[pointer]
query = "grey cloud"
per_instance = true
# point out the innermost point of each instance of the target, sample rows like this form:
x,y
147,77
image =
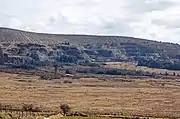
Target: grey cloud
x,y
116,26
143,6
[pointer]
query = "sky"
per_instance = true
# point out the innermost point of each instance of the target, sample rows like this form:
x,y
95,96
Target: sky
x,y
151,19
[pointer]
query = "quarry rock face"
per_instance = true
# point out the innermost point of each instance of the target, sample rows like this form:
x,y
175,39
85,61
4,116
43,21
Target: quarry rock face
x,y
36,49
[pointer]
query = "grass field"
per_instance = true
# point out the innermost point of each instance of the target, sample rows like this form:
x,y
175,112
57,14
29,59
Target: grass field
x,y
113,96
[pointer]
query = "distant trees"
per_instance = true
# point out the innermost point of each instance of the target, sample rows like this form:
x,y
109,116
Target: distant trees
x,y
29,108
117,72
171,65
24,111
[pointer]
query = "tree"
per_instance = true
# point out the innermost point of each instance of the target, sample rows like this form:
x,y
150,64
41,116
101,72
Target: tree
x,y
174,73
166,73
55,70
65,108
1,56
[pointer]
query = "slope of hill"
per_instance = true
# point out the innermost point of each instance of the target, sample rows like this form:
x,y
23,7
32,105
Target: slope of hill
x,y
80,49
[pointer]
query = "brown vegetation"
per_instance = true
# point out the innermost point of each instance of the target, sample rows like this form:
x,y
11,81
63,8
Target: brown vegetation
x,y
120,96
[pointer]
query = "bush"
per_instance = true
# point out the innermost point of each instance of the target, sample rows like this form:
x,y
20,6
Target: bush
x,y
44,77
174,73
27,107
70,71
67,81
65,108
88,63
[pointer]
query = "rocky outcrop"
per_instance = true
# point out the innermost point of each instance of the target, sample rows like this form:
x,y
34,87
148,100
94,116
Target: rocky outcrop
x,y
39,49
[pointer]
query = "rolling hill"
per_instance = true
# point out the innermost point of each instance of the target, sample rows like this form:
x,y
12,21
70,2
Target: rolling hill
x,y
25,47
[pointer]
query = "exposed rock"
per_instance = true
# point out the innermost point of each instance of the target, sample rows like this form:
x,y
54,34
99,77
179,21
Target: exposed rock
x,y
43,49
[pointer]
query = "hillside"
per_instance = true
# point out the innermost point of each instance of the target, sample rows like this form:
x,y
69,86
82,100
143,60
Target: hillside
x,y
20,47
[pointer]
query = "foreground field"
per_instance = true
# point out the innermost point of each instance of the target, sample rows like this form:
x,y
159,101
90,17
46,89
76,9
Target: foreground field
x,y
113,96
5,116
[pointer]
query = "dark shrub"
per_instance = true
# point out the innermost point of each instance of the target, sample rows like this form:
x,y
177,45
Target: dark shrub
x,y
65,108
27,107
70,71
67,81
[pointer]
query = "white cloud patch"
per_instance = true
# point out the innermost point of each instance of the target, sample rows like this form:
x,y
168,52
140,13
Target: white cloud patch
x,y
152,19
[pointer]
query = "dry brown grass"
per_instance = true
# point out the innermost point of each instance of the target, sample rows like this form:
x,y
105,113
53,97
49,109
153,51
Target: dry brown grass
x,y
150,97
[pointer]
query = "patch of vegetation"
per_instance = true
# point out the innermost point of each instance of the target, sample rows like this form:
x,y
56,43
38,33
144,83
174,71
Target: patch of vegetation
x,y
65,108
68,71
117,72
89,63
171,65
67,81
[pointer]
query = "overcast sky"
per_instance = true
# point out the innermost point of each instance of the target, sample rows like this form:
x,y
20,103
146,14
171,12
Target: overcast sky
x,y
152,19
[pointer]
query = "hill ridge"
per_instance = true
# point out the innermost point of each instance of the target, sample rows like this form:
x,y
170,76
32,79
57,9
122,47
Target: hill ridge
x,y
80,35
